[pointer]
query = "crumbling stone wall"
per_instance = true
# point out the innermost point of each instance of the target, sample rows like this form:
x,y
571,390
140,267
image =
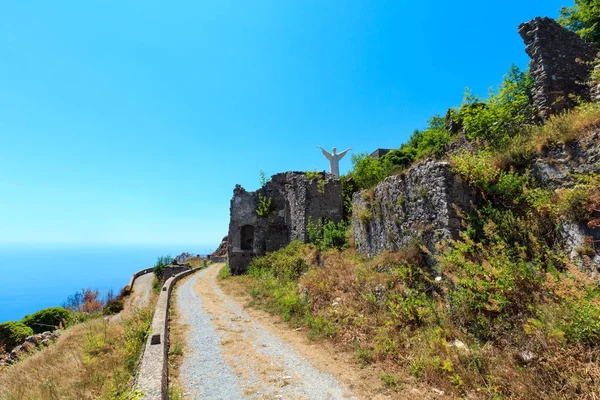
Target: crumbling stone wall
x,y
560,166
295,199
416,204
559,64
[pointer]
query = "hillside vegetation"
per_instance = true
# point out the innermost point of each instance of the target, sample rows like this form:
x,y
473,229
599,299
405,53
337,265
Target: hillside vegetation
x,y
502,312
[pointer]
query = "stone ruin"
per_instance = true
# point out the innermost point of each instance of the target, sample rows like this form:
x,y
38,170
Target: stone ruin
x,y
560,65
422,202
295,199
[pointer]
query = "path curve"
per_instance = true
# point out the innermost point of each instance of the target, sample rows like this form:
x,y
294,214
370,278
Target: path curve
x,y
141,291
230,356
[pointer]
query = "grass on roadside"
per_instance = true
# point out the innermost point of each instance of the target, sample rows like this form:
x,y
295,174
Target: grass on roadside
x,y
176,349
224,272
92,360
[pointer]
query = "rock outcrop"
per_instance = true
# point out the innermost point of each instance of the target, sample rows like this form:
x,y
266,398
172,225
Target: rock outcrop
x,y
221,251
560,64
278,213
558,164
31,344
420,203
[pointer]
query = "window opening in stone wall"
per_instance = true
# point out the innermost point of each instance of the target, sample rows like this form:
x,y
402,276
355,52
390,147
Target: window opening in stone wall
x,y
247,237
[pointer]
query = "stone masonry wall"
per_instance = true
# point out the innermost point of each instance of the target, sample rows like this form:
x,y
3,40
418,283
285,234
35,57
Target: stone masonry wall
x,y
296,199
555,53
417,203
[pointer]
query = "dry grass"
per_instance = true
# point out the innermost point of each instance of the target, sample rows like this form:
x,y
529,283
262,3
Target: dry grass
x,y
92,360
196,262
559,129
177,333
373,308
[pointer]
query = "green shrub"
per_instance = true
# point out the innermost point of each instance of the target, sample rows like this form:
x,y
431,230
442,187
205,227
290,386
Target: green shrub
x,y
161,263
47,319
497,119
349,187
328,235
265,206
285,265
13,333
368,172
224,272
318,176
476,169
113,307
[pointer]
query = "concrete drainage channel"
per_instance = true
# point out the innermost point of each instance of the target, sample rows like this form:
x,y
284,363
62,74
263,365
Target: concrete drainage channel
x,y
153,378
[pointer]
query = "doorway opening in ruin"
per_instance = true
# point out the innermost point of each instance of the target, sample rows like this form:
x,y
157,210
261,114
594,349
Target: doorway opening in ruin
x,y
247,237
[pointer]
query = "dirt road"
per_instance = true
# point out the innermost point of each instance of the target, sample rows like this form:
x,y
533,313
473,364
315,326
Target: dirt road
x,y
229,355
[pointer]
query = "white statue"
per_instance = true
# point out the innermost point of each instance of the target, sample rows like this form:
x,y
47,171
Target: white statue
x,y
334,160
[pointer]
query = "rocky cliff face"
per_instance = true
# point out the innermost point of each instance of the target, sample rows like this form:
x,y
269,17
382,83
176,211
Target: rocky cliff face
x,y
420,203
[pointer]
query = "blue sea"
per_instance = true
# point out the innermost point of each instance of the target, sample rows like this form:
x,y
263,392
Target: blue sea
x,y
32,278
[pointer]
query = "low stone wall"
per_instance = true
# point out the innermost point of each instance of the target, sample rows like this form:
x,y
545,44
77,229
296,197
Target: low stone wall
x,y
218,259
135,276
153,378
174,270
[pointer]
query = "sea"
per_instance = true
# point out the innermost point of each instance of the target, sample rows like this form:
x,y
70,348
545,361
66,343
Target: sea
x,y
36,277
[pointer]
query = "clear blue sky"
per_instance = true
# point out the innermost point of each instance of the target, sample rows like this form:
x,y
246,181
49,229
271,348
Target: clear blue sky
x,y
130,122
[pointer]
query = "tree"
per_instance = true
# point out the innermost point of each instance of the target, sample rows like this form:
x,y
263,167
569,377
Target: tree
x,y
583,18
368,172
499,117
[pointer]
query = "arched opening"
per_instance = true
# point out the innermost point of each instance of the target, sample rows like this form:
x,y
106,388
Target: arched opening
x,y
247,237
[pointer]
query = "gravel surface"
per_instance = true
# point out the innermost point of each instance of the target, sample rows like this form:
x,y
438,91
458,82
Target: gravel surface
x,y
204,373
140,295
230,356
142,288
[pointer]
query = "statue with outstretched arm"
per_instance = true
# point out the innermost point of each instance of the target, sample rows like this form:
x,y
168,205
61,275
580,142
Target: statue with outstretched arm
x,y
334,159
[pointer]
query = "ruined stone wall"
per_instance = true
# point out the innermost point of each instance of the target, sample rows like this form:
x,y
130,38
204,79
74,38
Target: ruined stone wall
x,y
559,166
295,199
555,53
418,203
312,199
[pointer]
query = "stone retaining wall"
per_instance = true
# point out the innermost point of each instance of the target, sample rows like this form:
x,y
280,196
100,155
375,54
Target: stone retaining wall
x,y
135,276
218,259
153,378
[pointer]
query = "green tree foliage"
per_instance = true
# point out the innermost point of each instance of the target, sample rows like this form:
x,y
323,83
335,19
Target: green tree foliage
x,y
47,319
431,142
498,118
161,263
368,171
13,334
583,18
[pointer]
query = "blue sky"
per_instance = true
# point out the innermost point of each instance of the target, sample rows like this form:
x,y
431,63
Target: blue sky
x,y
130,122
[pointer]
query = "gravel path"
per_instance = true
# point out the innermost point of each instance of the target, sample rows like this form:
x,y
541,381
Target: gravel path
x,y
204,373
230,356
140,295
142,288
